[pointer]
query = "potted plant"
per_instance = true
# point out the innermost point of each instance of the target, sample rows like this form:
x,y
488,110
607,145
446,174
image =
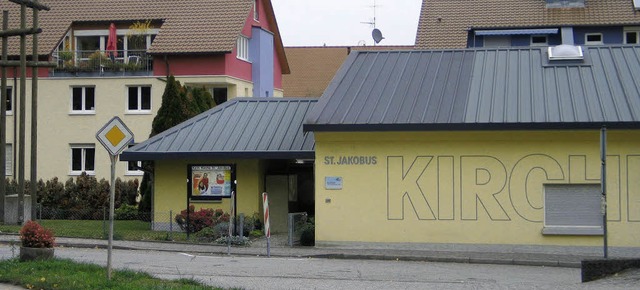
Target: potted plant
x,y
65,55
37,242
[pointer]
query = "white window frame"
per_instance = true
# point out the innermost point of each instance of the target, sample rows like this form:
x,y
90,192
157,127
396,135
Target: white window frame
x,y
8,147
83,111
130,172
545,43
256,10
586,37
139,110
10,96
635,30
242,47
83,157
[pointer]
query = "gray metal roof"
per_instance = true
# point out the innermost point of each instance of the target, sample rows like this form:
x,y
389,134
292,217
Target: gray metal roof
x,y
265,128
474,89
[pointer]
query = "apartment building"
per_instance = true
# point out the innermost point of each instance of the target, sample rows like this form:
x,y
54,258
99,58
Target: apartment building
x,y
113,58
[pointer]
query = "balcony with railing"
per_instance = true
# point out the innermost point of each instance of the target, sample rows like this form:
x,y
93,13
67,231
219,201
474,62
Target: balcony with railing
x,y
102,63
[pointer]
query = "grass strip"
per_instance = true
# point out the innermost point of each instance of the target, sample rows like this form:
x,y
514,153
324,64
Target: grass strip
x,y
70,275
131,230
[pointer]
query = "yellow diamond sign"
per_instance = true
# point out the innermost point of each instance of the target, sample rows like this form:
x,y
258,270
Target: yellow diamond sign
x,y
115,136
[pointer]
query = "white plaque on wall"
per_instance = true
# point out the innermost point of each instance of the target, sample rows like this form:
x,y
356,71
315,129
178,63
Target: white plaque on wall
x,y
333,182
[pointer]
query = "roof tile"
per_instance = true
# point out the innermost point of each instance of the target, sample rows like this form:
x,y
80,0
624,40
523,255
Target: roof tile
x,y
194,26
444,23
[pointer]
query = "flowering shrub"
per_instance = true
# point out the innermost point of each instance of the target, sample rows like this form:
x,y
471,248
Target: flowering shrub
x,y
201,219
33,235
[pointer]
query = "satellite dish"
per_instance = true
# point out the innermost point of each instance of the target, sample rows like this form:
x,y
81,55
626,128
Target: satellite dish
x,y
377,35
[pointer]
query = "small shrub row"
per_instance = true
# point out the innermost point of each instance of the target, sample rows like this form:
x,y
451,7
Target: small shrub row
x,y
83,195
235,240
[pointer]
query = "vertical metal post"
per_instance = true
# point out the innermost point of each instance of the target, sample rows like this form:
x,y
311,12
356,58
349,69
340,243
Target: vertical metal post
x,y
188,213
3,115
104,222
240,225
231,215
603,184
290,229
34,120
171,224
21,103
112,194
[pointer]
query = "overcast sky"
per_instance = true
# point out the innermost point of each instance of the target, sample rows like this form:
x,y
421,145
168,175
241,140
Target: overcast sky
x,y
339,22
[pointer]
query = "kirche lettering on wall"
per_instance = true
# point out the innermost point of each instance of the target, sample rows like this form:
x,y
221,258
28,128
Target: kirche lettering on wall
x,y
478,187
350,160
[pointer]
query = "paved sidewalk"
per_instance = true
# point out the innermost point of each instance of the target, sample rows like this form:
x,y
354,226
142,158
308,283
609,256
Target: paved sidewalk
x,y
280,249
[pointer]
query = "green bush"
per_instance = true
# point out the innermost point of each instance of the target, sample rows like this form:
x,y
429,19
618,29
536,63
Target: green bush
x,y
308,235
127,191
256,234
98,59
251,223
84,197
126,212
211,234
206,235
235,240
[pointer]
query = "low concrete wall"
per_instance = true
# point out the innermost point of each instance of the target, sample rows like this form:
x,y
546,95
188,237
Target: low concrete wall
x,y
596,269
11,209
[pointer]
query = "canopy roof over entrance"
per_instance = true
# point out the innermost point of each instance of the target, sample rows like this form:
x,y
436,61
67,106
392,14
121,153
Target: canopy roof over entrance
x,y
265,128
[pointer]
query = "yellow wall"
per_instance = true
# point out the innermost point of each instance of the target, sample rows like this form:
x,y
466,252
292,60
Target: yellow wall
x,y
171,187
58,127
468,187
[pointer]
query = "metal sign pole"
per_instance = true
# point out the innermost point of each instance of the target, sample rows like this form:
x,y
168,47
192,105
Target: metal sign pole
x,y
231,215
114,136
603,184
112,195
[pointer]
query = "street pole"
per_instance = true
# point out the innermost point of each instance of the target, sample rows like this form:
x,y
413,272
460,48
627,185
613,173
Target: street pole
x,y
21,113
34,119
603,184
112,194
231,215
114,136
3,115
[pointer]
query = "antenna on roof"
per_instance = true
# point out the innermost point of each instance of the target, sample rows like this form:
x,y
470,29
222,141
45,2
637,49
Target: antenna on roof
x,y
376,33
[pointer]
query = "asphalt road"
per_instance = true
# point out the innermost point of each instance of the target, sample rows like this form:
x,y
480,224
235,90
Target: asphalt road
x,y
296,273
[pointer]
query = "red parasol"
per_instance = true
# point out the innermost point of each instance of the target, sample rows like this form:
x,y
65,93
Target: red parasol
x,y
112,41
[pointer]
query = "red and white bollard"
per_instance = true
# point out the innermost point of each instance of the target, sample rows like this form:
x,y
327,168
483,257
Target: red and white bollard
x,y
267,230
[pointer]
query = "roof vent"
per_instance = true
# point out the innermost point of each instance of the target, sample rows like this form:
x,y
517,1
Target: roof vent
x,y
565,52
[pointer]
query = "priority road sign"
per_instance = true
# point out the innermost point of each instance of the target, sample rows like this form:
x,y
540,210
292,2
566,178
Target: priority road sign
x,y
114,136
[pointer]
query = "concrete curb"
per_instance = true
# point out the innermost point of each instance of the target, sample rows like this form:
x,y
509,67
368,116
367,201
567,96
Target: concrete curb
x,y
347,256
519,259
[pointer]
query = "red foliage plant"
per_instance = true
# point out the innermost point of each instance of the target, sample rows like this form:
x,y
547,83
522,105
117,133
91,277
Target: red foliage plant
x,y
201,219
33,235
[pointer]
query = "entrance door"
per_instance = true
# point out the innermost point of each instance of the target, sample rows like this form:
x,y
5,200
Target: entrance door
x,y
279,187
